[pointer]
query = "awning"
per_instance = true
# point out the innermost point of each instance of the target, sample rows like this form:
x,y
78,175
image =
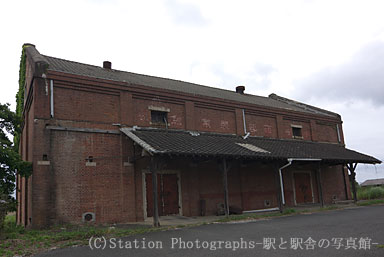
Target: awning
x,y
204,144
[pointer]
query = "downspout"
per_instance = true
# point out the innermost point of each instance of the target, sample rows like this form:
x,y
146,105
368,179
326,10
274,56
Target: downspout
x,y
51,96
281,180
338,133
244,123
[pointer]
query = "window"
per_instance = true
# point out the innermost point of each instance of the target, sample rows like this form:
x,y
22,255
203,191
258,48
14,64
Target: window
x,y
158,117
296,132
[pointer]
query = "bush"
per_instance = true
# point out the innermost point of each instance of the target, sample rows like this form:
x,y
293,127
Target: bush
x,y
368,193
376,192
6,204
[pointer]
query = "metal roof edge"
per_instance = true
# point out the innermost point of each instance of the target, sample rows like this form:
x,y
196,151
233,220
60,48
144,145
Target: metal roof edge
x,y
142,143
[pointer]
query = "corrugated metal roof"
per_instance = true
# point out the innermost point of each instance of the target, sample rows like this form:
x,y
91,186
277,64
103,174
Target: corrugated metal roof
x,y
56,64
373,182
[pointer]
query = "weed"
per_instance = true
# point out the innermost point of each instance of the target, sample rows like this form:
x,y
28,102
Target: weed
x,y
372,192
16,240
371,202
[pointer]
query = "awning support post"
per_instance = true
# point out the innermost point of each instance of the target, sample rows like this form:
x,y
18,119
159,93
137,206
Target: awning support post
x,y
225,185
351,167
319,186
345,182
153,169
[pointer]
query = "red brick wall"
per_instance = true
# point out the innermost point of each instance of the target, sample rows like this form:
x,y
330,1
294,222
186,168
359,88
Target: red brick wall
x,y
211,187
214,120
111,107
81,105
190,191
261,126
333,183
105,189
258,185
41,195
287,128
142,112
327,132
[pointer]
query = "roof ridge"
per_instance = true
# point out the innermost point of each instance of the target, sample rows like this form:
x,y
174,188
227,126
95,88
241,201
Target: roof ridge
x,y
374,179
93,71
81,63
157,77
300,104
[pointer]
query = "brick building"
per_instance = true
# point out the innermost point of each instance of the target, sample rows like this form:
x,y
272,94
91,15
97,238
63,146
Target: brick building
x,y
101,140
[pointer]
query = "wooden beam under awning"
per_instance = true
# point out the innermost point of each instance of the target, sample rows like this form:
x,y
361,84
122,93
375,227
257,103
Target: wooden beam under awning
x,y
319,185
153,168
352,167
224,168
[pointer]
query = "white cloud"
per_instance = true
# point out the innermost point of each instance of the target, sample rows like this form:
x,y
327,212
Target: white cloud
x,y
184,13
360,77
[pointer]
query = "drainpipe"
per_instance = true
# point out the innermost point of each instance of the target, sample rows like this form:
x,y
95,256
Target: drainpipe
x,y
338,133
51,100
281,180
245,125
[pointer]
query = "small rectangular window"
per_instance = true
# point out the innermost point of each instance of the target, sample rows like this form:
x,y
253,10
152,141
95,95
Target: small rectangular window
x,y
158,117
296,132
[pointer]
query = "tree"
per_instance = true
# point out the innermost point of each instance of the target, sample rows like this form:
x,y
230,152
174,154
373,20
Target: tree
x,y
10,161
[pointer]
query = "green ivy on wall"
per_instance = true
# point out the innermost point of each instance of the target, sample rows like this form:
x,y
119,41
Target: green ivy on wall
x,y
20,99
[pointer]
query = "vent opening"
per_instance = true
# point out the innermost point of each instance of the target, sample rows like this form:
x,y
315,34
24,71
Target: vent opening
x,y
89,217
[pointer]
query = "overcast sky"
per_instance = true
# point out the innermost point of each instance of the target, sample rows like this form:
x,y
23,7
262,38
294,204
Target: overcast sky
x,y
326,53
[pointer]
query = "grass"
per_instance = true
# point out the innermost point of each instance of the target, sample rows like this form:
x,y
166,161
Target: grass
x,y
252,216
15,240
371,192
291,211
371,202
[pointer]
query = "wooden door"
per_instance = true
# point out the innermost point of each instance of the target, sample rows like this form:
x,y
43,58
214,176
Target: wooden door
x,y
167,193
170,194
303,188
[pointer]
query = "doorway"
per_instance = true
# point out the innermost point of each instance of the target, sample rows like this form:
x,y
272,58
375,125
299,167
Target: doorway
x,y
167,193
303,187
